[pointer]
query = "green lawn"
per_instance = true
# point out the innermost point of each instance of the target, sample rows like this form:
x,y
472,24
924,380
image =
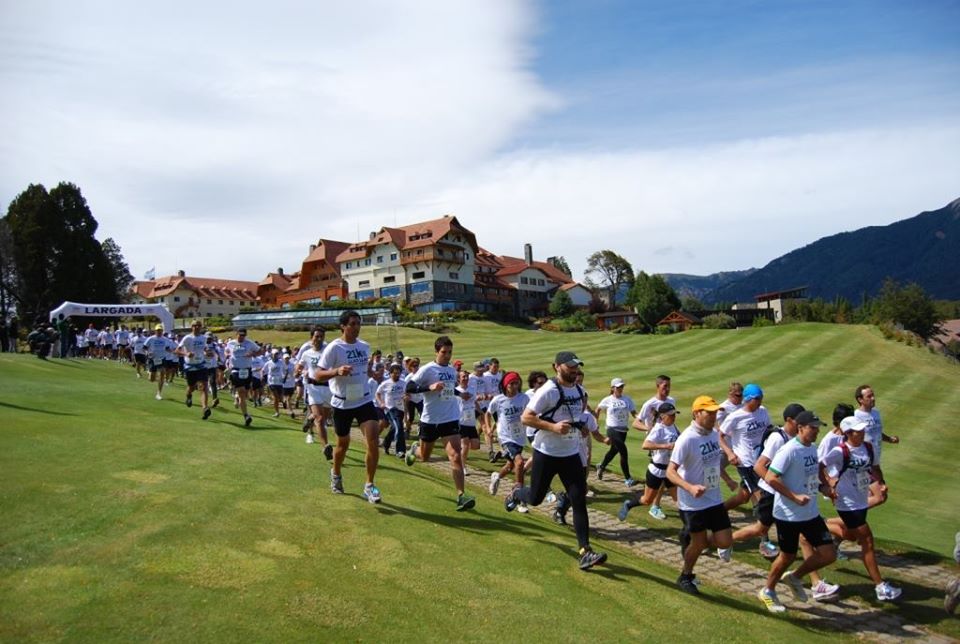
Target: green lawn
x,y
127,518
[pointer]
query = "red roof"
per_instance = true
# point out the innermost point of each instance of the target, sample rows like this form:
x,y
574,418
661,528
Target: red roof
x,y
515,265
425,233
202,286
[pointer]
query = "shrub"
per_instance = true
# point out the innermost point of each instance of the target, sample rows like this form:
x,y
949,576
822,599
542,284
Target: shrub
x,y
761,322
719,321
663,329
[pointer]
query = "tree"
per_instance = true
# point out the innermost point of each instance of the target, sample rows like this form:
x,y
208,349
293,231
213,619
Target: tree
x,y
122,278
689,303
909,306
561,305
652,299
561,264
612,272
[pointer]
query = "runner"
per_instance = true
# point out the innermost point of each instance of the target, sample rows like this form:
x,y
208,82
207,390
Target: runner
x,y
171,361
318,393
733,402
276,373
256,379
241,352
139,353
617,408
390,396
491,388
796,476
867,410
122,338
742,431
504,411
414,402
695,469
214,360
555,413
659,442
346,366
850,470
647,417
469,410
156,348
193,348
441,414
289,384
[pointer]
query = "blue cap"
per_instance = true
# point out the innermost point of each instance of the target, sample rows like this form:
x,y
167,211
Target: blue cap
x,y
752,391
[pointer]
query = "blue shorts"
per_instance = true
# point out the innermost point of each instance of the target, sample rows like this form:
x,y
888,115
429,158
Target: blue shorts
x,y
512,450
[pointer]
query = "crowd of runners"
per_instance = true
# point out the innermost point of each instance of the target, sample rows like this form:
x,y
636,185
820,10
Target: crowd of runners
x,y
542,427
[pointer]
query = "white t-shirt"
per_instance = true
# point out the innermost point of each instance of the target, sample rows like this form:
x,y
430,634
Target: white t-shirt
x,y
438,406
123,337
241,353
827,443
275,372
698,462
373,384
770,448
169,346
349,392
91,335
744,429
212,356
310,359
545,399
661,434
727,407
478,388
138,341
853,488
468,410
289,377
197,345
414,398
648,412
508,411
618,411
873,434
491,383
156,347
799,469
392,393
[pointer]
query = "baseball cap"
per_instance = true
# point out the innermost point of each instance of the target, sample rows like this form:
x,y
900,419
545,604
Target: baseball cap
x,y
478,364
396,366
853,424
458,363
667,408
805,418
568,358
510,377
791,410
752,391
159,327
616,382
705,403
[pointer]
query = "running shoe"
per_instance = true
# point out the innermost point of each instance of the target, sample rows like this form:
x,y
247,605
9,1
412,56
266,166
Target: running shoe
x,y
589,558
371,493
886,592
206,413
560,513
796,586
590,494
523,509
771,601
247,420
307,421
328,452
952,596
769,549
497,456
310,439
657,513
551,497
465,502
725,554
411,456
624,509
293,415
512,501
400,455
494,482
276,414
824,591
599,472
336,483
836,547
158,397
189,400
216,401
688,584
629,482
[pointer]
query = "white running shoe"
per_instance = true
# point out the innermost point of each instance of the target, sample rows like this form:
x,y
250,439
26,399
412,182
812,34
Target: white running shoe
x,y
550,498
886,592
796,586
309,439
657,513
465,471
494,482
771,601
824,591
158,397
523,509
371,493
590,494
725,554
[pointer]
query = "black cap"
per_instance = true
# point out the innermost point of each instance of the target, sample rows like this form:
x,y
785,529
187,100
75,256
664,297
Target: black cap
x,y
667,408
568,358
806,418
791,411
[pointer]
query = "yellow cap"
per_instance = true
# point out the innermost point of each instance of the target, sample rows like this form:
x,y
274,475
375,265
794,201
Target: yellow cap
x,y
705,403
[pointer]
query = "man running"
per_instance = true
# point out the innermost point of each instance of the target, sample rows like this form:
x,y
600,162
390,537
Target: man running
x,y
796,477
390,395
241,352
318,393
137,341
695,469
156,348
193,348
437,381
469,410
647,417
554,412
867,410
346,365
276,373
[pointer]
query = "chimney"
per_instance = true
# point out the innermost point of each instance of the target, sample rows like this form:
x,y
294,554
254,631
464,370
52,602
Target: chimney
x,y
280,271
528,254
373,234
181,274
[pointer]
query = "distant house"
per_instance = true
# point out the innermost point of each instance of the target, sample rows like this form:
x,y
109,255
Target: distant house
x,y
680,321
199,297
273,286
319,278
579,294
606,321
775,301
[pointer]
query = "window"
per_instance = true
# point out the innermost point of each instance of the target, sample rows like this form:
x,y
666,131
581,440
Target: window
x,y
466,255
176,298
422,287
523,280
349,264
393,257
363,295
390,291
419,275
379,259
209,301
454,276
541,283
219,301
230,302
389,279
366,262
364,283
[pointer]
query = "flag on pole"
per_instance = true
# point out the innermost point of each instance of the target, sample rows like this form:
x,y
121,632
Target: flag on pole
x,y
151,274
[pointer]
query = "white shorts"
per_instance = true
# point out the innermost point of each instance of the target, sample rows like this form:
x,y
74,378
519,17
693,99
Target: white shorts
x,y
317,395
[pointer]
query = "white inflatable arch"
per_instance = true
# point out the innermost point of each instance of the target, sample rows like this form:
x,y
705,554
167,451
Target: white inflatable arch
x,y
71,309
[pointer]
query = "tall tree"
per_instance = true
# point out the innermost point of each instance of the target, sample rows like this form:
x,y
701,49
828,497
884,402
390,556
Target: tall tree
x,y
122,278
652,298
561,305
609,271
561,263
909,306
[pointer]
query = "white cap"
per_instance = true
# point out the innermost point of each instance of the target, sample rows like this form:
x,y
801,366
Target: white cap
x,y
853,424
616,382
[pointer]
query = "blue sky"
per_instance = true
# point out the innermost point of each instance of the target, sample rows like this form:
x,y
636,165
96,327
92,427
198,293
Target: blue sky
x,y
665,131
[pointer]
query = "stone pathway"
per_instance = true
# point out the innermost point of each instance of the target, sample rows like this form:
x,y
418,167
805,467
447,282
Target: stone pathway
x,y
850,615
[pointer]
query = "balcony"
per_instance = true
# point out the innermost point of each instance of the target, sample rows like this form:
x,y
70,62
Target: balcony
x,y
436,253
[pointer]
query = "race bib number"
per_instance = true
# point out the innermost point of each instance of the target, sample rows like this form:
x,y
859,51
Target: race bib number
x,y
863,480
243,374
619,416
355,391
813,485
468,416
711,477
447,393
514,427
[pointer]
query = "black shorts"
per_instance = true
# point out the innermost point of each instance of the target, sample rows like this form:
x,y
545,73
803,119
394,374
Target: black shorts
x,y
255,383
654,482
512,450
430,432
195,376
763,510
749,479
171,364
237,381
277,391
815,531
140,358
530,438
714,519
468,431
343,418
289,391
853,519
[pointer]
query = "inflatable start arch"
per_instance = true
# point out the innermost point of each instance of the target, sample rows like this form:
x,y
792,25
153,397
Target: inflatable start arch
x,y
73,309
